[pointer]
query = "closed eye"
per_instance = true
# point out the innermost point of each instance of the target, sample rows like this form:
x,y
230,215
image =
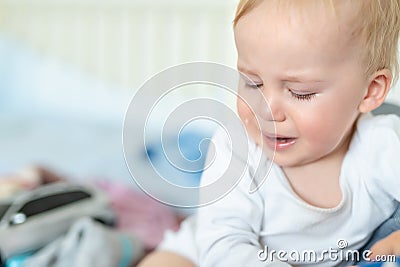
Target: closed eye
x,y
306,96
254,85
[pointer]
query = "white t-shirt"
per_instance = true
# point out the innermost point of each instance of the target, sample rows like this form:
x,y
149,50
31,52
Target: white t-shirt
x,y
231,231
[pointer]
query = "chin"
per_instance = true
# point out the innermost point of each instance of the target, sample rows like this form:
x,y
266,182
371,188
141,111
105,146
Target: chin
x,y
287,161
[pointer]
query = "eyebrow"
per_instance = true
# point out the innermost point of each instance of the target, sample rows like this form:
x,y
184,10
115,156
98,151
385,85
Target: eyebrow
x,y
297,79
287,78
245,71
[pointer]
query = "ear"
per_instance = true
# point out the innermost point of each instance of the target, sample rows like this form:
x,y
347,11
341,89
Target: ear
x,y
377,90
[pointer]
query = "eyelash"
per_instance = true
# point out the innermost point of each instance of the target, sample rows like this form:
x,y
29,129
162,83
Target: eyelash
x,y
254,86
307,97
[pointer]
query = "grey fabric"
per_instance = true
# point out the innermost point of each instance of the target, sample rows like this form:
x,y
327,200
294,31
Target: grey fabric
x,y
387,108
88,243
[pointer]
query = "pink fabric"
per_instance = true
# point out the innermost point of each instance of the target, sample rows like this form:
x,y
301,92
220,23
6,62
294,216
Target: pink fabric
x,y
139,214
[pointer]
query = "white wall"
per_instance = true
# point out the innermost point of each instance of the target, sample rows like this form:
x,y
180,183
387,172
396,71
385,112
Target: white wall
x,y
122,41
126,42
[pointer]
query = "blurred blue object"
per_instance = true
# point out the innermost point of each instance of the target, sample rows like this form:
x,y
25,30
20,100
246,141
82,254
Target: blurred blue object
x,y
18,261
180,159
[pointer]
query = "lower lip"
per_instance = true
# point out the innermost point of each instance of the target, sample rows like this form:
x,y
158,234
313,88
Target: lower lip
x,y
274,144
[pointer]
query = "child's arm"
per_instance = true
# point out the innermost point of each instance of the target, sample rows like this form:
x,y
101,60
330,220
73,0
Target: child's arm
x,y
165,259
390,245
228,229
227,232
387,246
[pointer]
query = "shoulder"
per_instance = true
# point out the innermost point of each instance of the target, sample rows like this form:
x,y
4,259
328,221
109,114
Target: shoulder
x,y
389,122
376,146
378,130
377,138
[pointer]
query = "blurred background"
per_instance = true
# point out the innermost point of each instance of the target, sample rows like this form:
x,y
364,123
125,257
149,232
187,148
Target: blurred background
x,y
69,68
68,71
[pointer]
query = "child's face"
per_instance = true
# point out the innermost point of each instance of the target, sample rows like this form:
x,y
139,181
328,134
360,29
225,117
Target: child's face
x,y
311,74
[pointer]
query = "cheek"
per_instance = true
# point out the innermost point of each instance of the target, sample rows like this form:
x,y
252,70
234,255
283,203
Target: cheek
x,y
249,120
328,125
316,130
243,110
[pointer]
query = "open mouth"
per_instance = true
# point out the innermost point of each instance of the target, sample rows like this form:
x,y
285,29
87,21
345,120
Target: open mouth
x,y
281,139
279,142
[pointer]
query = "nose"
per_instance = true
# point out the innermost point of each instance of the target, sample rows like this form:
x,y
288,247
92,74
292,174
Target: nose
x,y
271,106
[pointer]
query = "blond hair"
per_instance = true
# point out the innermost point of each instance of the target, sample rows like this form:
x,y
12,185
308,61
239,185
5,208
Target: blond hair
x,y
378,26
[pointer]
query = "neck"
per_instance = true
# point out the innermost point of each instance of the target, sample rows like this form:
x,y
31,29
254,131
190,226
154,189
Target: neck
x,y
333,159
317,182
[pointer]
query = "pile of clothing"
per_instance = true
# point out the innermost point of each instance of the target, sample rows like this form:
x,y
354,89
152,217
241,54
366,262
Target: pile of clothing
x,y
140,223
